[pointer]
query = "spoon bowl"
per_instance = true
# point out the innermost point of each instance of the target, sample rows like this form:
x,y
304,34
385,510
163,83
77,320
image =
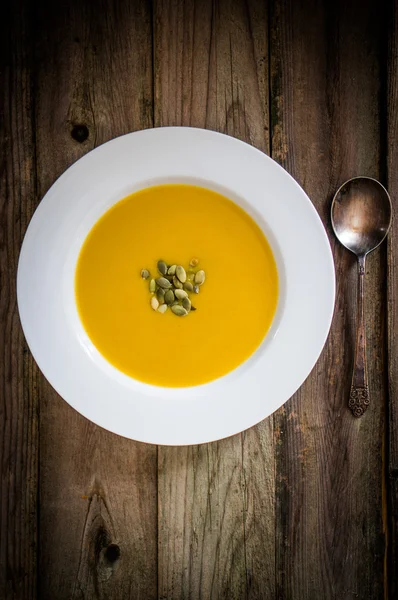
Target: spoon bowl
x,y
361,218
361,214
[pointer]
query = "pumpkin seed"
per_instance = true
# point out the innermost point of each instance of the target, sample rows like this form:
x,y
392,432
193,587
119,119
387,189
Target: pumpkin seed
x,y
200,277
181,274
186,303
180,294
172,289
177,283
179,310
163,283
169,297
145,274
162,267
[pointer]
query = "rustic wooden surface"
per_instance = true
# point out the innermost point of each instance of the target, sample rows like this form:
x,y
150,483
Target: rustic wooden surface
x,y
392,299
302,506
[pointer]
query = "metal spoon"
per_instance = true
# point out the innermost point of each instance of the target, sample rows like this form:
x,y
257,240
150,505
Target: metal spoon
x,y
361,218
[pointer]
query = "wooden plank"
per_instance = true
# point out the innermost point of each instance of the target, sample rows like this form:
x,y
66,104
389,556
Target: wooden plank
x,y
98,504
392,305
211,67
325,86
216,501
18,375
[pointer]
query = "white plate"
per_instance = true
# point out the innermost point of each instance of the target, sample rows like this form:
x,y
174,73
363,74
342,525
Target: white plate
x,y
62,348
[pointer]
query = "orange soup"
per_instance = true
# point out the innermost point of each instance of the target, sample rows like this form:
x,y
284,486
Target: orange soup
x,y
234,307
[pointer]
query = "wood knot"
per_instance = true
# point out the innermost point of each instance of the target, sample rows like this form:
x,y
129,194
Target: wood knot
x,y
80,133
112,553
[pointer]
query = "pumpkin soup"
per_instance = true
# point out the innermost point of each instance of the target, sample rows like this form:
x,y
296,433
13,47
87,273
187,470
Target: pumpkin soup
x,y
232,311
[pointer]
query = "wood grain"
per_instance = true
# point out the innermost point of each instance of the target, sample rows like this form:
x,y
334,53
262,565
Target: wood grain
x,y
211,67
302,506
98,505
392,304
325,74
18,374
216,507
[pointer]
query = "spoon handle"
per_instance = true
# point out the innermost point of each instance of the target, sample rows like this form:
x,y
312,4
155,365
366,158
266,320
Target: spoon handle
x,y
359,394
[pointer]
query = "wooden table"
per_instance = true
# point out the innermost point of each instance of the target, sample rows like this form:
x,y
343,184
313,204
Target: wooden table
x,y
302,506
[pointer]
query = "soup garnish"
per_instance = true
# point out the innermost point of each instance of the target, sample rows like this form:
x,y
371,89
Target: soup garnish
x,y
172,289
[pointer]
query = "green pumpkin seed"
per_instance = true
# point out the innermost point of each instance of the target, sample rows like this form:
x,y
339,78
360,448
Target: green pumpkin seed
x,y
181,274
180,294
162,267
177,283
169,297
163,283
179,310
186,303
200,277
172,289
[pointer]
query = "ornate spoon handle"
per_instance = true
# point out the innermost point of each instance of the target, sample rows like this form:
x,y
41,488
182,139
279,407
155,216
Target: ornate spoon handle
x,y
359,394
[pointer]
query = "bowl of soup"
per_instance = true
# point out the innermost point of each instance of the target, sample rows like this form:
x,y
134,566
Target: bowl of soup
x,y
163,290
234,308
